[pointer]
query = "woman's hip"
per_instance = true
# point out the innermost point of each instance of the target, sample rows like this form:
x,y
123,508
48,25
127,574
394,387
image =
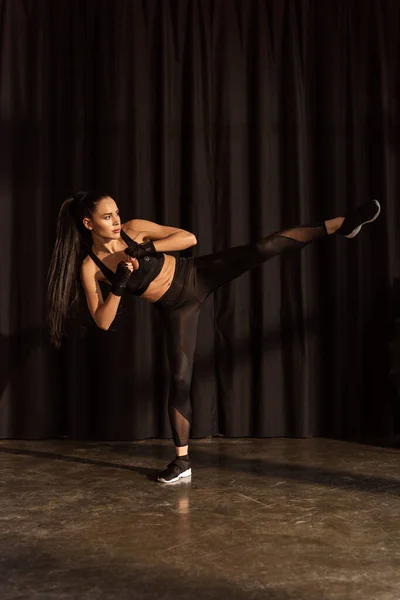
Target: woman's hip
x,y
179,291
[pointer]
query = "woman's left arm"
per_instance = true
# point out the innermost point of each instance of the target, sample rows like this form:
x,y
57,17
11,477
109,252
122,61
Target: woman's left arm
x,y
165,239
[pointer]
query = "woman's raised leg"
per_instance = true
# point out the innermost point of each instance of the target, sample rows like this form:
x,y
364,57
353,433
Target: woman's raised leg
x,y
219,268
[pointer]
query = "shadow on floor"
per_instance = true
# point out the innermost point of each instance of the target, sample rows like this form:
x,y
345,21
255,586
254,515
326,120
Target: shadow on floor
x,y
230,462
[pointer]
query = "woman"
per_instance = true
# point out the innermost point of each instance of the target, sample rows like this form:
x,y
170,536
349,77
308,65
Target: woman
x,y
130,257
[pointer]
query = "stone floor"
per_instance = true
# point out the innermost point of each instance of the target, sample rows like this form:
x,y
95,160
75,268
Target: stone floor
x,y
270,519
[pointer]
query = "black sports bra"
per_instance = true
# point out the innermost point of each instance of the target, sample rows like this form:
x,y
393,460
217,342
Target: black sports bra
x,y
139,280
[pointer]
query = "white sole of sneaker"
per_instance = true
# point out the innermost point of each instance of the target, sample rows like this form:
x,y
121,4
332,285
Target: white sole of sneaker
x,y
357,230
180,476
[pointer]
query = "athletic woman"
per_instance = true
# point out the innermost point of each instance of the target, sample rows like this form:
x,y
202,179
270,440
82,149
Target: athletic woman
x,y
91,243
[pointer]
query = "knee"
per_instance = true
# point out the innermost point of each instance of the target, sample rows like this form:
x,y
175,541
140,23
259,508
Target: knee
x,y
267,247
180,381
275,244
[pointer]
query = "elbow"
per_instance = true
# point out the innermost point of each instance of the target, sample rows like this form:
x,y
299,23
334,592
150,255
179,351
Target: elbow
x,y
102,325
100,321
193,240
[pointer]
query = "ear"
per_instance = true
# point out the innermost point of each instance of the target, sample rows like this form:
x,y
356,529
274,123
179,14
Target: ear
x,y
87,223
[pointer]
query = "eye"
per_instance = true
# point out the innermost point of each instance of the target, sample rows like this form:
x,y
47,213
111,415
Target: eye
x,y
109,217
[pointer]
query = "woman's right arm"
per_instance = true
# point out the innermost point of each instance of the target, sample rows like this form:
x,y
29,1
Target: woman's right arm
x,y
103,313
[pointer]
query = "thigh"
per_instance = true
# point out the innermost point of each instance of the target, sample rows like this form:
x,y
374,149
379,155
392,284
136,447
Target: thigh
x,y
181,333
219,268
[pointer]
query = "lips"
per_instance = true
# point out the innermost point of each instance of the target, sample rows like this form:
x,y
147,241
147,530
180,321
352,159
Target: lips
x,y
116,230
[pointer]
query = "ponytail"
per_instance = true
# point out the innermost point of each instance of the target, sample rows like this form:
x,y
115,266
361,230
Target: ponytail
x,y
71,246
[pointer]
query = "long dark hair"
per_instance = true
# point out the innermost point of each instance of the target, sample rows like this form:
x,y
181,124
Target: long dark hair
x,y
73,240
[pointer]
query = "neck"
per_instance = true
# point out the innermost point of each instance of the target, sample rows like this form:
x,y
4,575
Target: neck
x,y
106,245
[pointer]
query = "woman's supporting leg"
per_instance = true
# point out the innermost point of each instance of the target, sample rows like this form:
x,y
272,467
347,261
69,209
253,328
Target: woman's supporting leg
x,y
181,332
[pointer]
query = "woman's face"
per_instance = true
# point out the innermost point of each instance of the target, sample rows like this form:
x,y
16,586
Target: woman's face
x,y
105,221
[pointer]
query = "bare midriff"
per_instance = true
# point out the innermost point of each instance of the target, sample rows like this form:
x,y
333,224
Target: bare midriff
x,y
162,282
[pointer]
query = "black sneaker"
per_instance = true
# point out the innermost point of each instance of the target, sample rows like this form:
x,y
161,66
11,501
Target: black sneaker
x,y
176,469
366,213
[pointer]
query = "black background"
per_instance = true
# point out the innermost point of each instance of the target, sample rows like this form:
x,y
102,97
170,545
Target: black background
x,y
233,119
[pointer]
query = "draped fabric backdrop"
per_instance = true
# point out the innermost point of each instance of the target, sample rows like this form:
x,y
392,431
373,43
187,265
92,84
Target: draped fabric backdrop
x,y
232,119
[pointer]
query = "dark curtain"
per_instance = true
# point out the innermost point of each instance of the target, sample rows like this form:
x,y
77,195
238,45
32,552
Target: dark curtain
x,y
232,119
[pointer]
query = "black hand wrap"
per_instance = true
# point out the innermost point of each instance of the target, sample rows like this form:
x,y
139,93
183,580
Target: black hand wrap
x,y
120,279
141,250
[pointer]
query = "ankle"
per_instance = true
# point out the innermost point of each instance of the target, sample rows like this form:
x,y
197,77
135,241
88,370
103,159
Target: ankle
x,y
181,451
183,457
333,225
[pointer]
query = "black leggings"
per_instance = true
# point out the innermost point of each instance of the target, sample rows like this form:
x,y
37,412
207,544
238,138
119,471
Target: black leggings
x,y
194,279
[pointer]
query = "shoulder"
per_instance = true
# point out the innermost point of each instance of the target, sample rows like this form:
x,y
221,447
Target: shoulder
x,y
138,225
88,268
87,263
90,276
